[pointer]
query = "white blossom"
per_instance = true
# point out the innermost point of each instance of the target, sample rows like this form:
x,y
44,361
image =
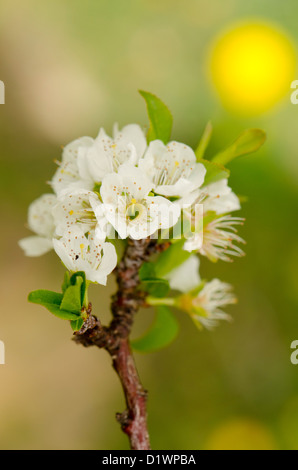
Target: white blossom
x,y
172,168
107,154
77,208
207,305
67,177
219,239
203,301
79,252
86,161
220,198
40,221
216,235
130,208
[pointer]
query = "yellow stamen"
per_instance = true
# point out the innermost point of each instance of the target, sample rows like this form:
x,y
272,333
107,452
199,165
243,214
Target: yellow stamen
x,y
70,212
133,201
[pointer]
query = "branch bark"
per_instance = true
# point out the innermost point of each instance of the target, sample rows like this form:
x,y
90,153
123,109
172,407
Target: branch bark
x,y
115,338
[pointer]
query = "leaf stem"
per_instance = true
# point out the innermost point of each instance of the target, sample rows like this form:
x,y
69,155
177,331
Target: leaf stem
x,y
163,301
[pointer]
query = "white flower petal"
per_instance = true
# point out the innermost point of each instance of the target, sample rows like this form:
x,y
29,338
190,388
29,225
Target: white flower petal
x,y
219,188
186,277
172,168
197,176
70,151
40,219
163,211
79,253
131,134
35,246
75,208
222,204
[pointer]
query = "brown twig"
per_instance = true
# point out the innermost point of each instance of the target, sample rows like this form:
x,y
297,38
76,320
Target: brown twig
x,y
115,338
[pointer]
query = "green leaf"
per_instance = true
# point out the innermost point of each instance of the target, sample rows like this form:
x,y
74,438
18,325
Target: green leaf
x,y
77,324
42,297
66,282
163,332
51,300
147,271
161,120
151,283
204,142
72,300
156,287
170,259
248,142
215,172
82,275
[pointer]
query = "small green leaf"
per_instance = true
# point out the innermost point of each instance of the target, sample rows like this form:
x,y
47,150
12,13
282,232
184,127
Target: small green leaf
x,y
160,118
215,172
72,301
163,332
43,297
77,324
51,301
204,142
66,282
62,314
156,287
171,259
82,275
147,271
248,142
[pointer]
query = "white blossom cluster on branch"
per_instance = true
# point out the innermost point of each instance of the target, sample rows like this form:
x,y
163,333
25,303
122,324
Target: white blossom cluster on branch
x,y
121,187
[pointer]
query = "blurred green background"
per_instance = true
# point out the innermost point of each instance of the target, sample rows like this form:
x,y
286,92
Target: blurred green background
x,y
70,67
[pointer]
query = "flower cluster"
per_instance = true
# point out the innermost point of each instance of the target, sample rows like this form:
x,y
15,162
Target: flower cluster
x,y
122,187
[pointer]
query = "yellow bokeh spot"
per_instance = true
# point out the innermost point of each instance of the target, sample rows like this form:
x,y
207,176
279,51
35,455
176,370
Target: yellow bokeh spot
x,y
252,66
241,434
133,201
